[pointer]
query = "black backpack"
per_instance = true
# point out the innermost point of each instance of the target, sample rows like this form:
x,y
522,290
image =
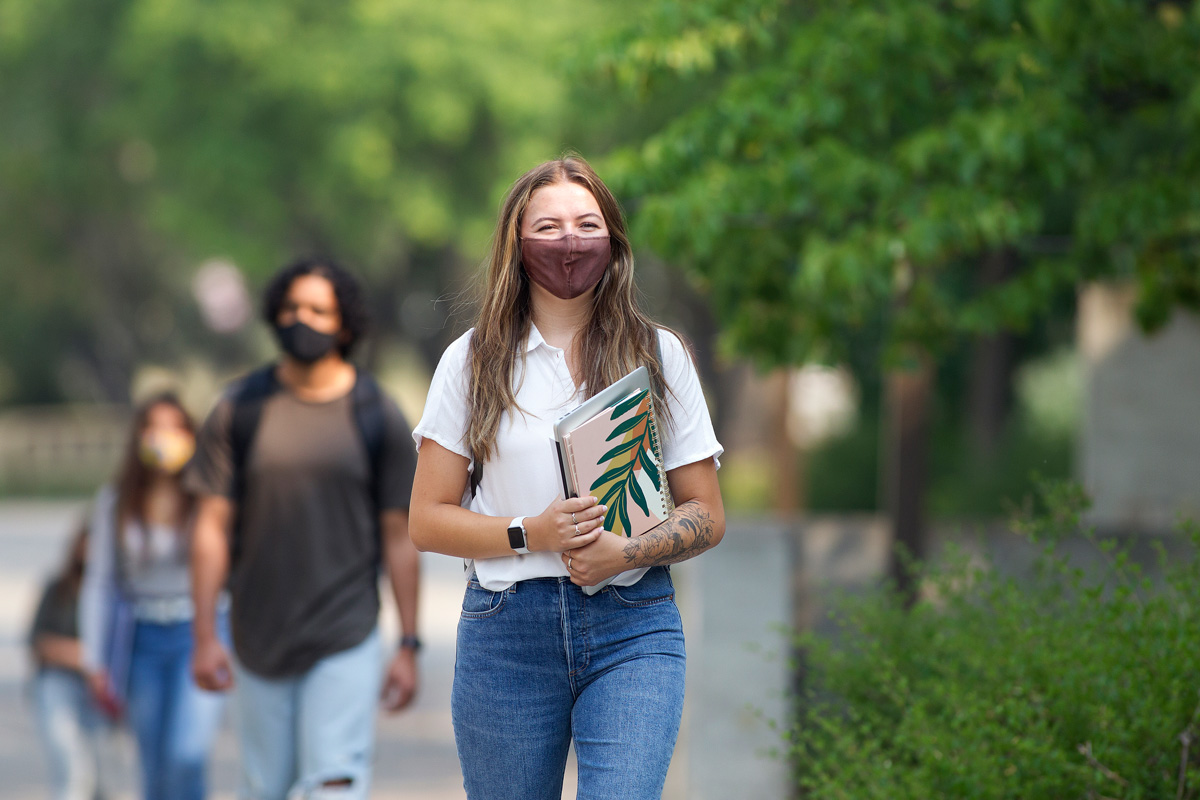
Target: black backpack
x,y
248,401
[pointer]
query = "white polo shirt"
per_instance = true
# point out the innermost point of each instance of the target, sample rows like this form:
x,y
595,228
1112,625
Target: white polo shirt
x,y
522,477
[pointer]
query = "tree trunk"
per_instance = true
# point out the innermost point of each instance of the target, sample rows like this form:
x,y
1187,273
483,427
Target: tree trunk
x,y
905,466
786,464
991,368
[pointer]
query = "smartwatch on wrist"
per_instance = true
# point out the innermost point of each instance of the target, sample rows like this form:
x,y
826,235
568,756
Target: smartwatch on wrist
x,y
518,539
410,642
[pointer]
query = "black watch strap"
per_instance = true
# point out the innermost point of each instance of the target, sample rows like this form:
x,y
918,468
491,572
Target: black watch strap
x,y
411,642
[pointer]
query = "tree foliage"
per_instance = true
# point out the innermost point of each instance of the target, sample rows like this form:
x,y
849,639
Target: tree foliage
x,y
849,163
140,137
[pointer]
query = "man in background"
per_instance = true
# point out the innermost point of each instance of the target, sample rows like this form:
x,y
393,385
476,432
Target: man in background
x,y
305,469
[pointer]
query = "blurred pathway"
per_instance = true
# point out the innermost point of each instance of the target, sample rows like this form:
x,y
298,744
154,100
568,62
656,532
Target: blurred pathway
x,y
736,673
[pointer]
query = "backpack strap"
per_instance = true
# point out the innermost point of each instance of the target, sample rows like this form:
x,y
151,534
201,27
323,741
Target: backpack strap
x,y
476,478
367,400
248,402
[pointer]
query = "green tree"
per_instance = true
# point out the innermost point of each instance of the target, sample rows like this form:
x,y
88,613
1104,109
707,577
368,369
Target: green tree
x,y
851,165
140,137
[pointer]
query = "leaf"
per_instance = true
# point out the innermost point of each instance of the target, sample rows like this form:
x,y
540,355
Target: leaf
x,y
613,491
610,517
626,527
612,475
628,403
619,449
638,496
649,466
626,426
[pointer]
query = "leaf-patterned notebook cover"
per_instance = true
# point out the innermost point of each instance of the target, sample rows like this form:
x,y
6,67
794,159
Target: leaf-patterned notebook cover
x,y
614,456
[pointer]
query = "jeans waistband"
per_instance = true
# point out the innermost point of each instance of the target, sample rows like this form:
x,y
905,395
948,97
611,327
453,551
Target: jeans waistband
x,y
163,610
170,610
557,579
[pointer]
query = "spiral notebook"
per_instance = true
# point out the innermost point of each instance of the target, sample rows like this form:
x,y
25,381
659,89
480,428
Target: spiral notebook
x,y
608,448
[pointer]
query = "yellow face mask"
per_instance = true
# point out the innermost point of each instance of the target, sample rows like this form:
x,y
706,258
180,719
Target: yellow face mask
x,y
166,450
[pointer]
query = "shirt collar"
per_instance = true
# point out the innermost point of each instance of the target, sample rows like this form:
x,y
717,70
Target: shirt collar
x,y
534,339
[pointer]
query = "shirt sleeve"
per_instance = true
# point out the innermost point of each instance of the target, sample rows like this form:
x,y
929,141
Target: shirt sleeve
x,y
98,591
211,469
399,460
444,418
43,619
688,434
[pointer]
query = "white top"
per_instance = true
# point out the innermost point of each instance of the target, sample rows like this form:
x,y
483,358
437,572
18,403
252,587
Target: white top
x,y
153,574
522,478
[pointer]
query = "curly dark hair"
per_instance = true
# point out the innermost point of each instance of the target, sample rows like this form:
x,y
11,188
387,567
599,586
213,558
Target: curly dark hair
x,y
351,303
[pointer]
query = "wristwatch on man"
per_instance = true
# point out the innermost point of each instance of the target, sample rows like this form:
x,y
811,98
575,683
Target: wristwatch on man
x,y
518,539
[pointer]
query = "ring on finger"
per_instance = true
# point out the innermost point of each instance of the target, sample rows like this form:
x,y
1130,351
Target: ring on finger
x,y
573,520
576,530
569,560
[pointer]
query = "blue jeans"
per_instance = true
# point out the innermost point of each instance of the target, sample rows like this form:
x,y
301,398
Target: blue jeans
x,y
541,663
173,720
312,735
69,723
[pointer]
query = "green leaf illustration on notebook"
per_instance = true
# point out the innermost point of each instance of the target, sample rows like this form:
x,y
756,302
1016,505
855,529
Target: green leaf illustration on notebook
x,y
622,463
610,450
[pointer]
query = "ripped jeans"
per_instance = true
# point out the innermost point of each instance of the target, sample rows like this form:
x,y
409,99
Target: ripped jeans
x,y
310,737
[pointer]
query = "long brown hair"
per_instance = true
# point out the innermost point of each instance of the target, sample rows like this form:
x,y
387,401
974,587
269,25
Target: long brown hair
x,y
616,338
134,477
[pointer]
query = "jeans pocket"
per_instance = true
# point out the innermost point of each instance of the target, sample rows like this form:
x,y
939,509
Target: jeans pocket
x,y
649,591
479,603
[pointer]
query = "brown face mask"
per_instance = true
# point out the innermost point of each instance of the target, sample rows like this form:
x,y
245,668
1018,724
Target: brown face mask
x,y
566,267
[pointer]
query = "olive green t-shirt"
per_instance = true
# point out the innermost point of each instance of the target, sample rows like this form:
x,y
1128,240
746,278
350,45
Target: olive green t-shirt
x,y
305,583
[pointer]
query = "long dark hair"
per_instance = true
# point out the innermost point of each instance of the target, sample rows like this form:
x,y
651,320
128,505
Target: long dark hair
x,y
133,479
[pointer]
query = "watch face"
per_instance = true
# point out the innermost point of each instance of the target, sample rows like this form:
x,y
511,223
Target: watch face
x,y
516,537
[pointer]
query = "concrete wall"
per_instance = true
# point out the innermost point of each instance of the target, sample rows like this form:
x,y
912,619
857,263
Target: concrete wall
x,y
1139,453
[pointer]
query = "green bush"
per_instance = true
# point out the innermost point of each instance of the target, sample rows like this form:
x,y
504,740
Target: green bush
x,y
1070,683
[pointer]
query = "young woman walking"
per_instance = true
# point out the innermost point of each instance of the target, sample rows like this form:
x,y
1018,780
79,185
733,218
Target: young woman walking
x,y
136,607
540,663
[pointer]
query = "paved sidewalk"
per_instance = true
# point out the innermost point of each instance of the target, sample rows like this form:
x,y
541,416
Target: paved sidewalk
x,y
733,601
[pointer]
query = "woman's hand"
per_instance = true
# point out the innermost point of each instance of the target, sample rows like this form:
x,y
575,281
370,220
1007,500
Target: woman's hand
x,y
602,558
97,681
103,695
566,525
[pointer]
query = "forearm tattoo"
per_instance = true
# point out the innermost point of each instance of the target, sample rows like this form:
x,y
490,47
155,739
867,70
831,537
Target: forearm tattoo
x,y
687,533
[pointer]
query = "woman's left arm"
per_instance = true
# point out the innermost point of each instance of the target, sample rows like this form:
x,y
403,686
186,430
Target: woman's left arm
x,y
697,524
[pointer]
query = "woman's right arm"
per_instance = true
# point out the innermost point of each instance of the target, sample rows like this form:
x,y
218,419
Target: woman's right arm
x,y
58,651
439,524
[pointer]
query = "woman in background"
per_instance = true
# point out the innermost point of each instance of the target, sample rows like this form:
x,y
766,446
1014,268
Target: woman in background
x,y
136,609
67,719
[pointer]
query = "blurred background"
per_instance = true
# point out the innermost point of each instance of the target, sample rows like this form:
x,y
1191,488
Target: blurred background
x,y
926,253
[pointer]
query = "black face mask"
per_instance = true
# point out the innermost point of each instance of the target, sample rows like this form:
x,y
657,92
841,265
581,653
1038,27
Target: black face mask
x,y
303,343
